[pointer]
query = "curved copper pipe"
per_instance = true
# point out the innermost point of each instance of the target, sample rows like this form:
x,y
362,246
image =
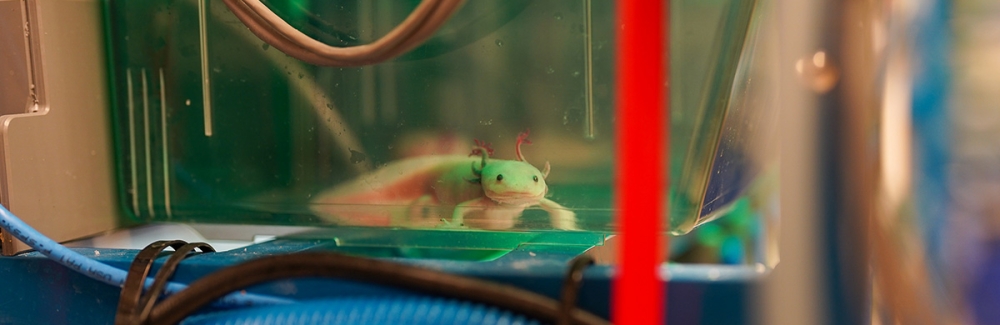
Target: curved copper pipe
x,y
414,30
259,28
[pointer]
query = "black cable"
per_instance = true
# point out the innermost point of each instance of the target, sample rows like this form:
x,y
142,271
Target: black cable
x,y
166,271
571,287
133,305
128,302
329,265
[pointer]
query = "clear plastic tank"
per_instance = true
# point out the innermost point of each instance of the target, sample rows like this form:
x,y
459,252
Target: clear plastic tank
x,y
213,125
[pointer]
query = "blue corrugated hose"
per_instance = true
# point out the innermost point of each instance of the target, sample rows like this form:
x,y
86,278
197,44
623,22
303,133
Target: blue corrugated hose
x,y
365,310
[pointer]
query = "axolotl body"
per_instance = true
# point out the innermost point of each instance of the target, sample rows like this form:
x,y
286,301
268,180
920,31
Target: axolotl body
x,y
499,189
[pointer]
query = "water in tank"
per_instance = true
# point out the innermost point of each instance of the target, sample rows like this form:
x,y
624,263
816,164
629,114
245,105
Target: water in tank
x,y
508,101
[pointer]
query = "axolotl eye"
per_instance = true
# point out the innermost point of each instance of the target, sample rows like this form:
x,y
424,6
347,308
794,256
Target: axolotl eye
x,y
535,178
499,177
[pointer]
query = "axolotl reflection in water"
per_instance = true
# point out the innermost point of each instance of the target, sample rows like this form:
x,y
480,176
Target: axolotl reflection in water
x,y
480,192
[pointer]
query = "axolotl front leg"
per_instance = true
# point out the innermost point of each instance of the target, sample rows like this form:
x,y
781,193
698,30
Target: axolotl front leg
x,y
560,217
494,216
502,216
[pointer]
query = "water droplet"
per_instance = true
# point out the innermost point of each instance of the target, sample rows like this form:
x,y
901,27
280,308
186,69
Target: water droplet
x,y
558,16
818,72
265,46
499,42
187,102
550,70
217,70
357,156
576,73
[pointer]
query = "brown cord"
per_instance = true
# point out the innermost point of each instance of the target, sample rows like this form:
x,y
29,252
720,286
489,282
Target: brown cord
x,y
163,277
571,288
331,265
134,306
131,294
414,30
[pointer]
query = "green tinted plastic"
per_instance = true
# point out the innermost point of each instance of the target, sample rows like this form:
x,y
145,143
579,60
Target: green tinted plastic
x,y
215,126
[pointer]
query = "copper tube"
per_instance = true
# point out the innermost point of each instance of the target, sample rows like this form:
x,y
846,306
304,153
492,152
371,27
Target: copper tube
x,y
414,30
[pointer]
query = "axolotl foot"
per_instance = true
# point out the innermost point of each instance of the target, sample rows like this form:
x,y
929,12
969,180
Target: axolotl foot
x,y
561,218
446,224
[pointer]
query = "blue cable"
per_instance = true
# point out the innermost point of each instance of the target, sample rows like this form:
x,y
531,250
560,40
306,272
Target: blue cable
x,y
103,272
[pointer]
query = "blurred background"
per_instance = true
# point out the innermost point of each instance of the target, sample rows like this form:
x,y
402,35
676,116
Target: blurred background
x,y
933,236
965,245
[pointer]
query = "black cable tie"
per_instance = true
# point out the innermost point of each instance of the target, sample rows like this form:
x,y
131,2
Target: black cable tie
x,y
128,302
163,277
571,287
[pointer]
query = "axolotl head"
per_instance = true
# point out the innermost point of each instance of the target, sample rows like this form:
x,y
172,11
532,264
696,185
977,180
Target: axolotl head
x,y
513,182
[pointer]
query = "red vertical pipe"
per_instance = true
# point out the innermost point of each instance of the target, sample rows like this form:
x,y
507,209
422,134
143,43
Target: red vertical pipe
x,y
641,173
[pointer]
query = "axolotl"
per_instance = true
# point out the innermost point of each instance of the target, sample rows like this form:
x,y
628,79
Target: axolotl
x,y
499,189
